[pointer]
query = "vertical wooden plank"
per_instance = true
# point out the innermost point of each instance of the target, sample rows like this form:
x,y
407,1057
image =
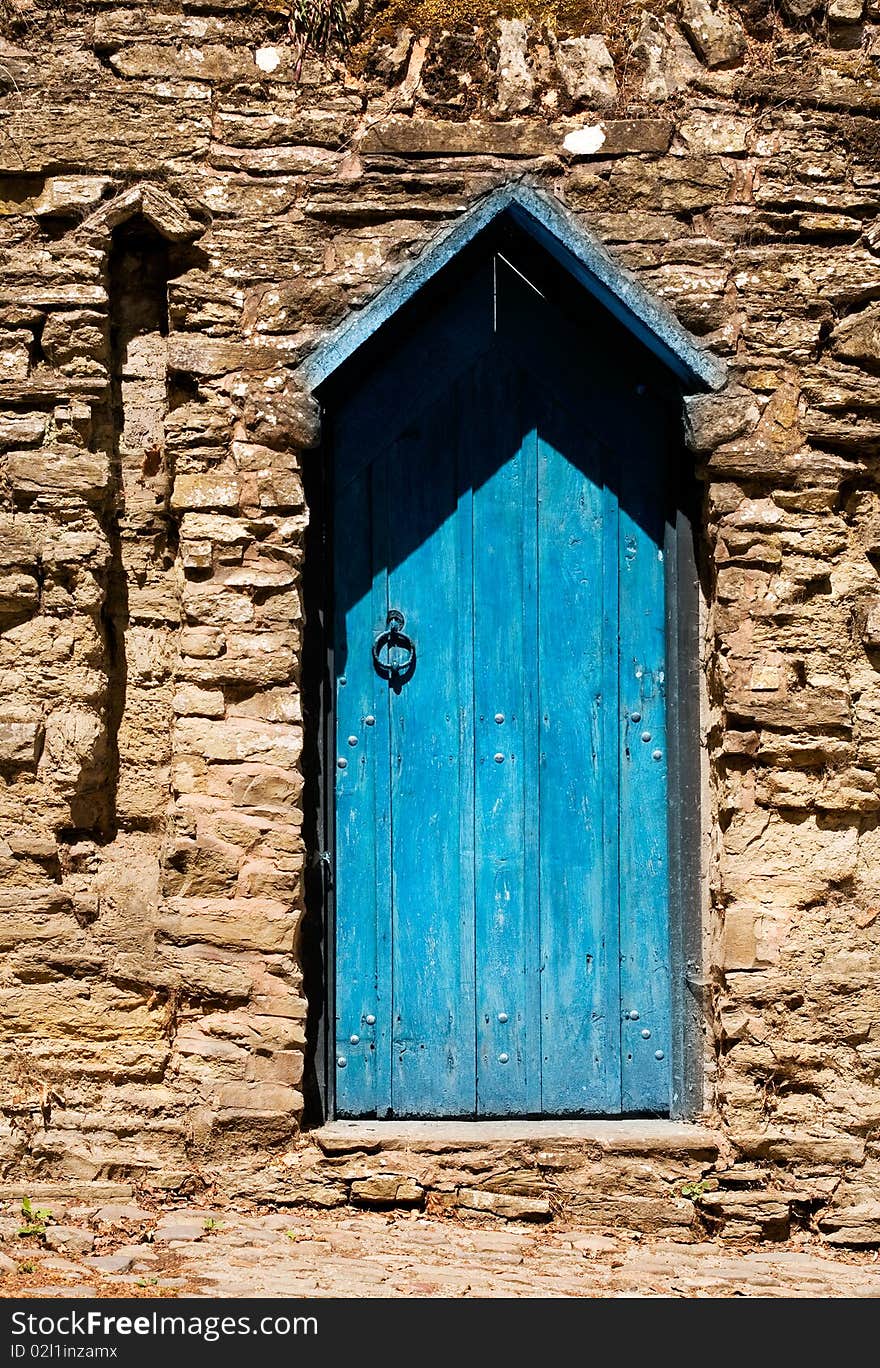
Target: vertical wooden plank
x,y
433,1070
380,1033
362,1049
531,704
610,730
504,507
644,884
462,447
578,930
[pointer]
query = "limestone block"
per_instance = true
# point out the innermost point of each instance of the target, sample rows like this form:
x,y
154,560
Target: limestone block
x,y
858,1224
254,785
767,1214
868,868
850,790
515,82
715,31
117,130
204,643
66,196
255,659
767,674
282,1025
617,137
209,62
283,126
792,859
76,1010
117,26
845,11
205,491
739,946
19,599
281,415
62,472
68,1239
857,337
715,133
145,357
269,704
667,185
666,59
280,161
142,735
155,598
216,528
799,1148
711,419
387,1189
256,458
22,429
15,355
77,541
586,69
510,1207
262,924
282,1066
421,137
792,790
74,749
201,430
206,970
198,354
210,605
21,742
292,530
74,338
273,743
149,654
259,574
196,555
201,869
264,879
191,701
803,709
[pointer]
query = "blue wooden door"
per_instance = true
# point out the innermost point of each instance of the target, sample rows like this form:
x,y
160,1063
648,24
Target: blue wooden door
x,y
500,763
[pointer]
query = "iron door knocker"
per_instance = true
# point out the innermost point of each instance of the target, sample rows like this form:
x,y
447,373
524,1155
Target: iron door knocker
x,y
393,640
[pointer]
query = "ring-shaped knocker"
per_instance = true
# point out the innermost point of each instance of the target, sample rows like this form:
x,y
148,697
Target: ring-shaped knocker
x,y
394,639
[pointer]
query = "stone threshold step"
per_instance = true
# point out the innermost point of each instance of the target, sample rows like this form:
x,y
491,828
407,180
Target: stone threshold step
x,y
39,1190
631,1137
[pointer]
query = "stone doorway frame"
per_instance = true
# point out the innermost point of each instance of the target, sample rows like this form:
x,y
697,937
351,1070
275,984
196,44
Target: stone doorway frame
x,y
704,380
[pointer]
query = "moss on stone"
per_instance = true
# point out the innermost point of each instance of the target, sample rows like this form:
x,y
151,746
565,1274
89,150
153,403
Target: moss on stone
x,y
563,17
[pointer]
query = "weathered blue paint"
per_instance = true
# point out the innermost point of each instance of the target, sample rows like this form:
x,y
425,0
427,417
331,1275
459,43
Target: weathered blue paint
x,y
501,865
578,780
565,238
505,631
644,875
431,781
362,825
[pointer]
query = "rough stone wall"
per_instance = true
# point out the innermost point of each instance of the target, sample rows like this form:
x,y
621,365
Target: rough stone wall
x,y
188,202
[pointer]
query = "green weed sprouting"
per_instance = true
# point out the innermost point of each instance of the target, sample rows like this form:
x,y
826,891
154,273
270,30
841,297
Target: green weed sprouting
x,y
35,1218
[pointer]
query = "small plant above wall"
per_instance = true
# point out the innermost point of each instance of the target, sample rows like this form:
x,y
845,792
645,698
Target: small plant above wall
x,y
317,26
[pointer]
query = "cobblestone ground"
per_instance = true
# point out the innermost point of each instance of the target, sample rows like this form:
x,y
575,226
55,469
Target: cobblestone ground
x,y
184,1251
